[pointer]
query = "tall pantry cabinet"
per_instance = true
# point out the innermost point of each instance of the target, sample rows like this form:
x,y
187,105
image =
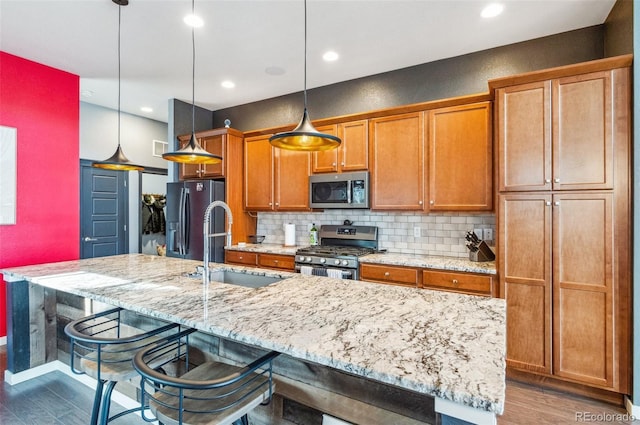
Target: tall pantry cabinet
x,y
563,142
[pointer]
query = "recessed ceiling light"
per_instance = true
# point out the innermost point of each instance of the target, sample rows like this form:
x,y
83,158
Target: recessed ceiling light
x,y
193,21
228,84
492,10
146,109
330,56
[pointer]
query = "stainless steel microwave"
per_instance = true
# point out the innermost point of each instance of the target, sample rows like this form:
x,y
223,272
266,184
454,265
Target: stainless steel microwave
x,y
339,190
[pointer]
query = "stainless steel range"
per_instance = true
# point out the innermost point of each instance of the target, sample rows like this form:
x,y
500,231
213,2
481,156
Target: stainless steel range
x,y
338,252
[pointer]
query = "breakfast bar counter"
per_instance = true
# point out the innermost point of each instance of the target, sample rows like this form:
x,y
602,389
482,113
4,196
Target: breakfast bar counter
x,y
445,345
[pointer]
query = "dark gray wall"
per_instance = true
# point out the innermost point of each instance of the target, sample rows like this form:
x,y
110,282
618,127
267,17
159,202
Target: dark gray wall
x,y
451,77
618,29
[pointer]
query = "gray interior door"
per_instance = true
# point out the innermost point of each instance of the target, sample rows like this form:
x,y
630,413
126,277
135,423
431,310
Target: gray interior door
x,y
103,212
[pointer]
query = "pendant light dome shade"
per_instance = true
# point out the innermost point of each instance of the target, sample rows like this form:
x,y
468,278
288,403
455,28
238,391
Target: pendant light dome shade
x,y
118,161
192,153
305,137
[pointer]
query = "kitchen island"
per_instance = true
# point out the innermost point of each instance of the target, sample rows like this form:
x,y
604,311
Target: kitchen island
x,y
445,345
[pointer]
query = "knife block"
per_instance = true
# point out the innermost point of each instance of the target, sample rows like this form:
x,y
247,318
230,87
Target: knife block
x,y
484,253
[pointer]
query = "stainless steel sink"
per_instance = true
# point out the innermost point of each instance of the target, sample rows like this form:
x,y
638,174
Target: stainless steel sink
x,y
237,278
242,279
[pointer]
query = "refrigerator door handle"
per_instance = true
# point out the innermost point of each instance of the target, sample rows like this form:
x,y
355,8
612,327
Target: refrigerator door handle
x,y
180,230
187,221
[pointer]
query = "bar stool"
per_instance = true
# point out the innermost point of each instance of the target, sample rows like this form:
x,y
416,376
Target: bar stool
x,y
102,347
212,393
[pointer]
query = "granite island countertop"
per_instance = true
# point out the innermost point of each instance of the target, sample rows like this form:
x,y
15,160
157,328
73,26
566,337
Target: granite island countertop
x,y
445,345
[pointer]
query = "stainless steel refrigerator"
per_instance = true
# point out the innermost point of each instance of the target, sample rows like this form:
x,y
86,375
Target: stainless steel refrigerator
x,y
184,214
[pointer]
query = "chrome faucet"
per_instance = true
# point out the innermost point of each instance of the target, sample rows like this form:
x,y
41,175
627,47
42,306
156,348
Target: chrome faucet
x,y
207,235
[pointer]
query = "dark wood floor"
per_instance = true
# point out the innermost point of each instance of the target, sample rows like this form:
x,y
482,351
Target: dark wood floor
x,y
58,399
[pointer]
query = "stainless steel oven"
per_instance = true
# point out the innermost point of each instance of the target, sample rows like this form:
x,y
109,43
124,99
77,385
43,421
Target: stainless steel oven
x,y
338,252
339,190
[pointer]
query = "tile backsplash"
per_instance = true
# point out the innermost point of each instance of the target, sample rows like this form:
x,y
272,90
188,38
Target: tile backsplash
x,y
440,233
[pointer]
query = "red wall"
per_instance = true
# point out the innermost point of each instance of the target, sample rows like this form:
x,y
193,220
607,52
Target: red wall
x,y
43,104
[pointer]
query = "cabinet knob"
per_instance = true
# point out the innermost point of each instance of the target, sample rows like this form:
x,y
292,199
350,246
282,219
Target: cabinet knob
x,y
548,203
419,202
277,203
556,180
432,202
547,180
333,163
342,164
455,282
275,261
241,257
556,203
270,203
386,274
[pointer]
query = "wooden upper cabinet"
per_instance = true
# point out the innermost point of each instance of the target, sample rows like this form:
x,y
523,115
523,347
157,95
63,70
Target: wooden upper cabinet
x,y
396,145
353,153
214,144
582,132
460,158
291,180
557,134
258,174
275,179
524,137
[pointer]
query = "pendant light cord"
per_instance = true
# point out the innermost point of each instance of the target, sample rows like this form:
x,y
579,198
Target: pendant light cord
x,y
119,26
193,73
305,55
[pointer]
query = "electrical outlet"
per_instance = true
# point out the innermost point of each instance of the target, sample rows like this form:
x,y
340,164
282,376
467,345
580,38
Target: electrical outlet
x,y
488,234
478,233
416,232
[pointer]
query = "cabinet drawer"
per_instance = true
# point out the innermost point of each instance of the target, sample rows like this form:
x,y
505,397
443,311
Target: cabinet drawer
x,y
458,282
241,257
386,274
274,261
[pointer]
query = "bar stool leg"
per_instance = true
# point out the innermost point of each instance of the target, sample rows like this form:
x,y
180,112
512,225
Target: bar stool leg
x,y
106,403
96,402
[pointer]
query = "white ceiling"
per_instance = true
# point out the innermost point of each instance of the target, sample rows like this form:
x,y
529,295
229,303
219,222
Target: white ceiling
x,y
241,39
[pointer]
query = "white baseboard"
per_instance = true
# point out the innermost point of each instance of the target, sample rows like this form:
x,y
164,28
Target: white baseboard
x,y
632,409
57,365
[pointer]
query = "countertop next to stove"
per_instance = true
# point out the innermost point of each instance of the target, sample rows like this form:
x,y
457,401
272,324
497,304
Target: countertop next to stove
x,y
391,259
450,346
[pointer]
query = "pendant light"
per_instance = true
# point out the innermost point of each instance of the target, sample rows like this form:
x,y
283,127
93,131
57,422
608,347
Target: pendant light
x,y
118,161
305,137
193,153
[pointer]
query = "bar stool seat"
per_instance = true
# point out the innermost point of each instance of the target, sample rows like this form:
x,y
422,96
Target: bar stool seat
x,y
102,347
212,393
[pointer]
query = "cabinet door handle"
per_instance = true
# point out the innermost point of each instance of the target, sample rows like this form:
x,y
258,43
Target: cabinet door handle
x,y
455,282
548,203
241,257
270,203
333,164
277,203
547,180
432,202
419,202
386,274
556,180
275,261
556,203
342,164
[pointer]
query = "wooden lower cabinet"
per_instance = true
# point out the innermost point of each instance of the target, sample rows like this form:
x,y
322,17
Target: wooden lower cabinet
x,y
269,261
557,270
277,261
468,283
241,257
405,276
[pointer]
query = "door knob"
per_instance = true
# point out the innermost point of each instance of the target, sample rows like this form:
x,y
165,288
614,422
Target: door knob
x,y
88,239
